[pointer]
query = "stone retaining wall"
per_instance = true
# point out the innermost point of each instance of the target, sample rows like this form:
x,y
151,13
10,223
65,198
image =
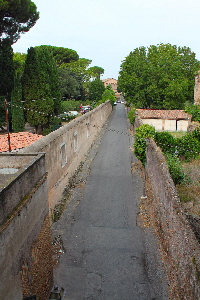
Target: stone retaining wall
x,y
66,147
179,244
24,217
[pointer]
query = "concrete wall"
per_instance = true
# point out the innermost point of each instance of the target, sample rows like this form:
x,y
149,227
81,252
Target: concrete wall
x,y
167,125
179,244
24,211
66,147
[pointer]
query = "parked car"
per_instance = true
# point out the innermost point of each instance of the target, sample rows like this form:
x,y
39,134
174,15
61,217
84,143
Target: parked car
x,y
85,109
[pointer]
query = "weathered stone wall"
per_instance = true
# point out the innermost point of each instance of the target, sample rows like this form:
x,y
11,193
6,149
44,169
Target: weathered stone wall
x,y
179,244
24,202
31,168
66,147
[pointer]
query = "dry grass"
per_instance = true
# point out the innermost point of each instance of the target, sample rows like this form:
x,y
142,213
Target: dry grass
x,y
189,192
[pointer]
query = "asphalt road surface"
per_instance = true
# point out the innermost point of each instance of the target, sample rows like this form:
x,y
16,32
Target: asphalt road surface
x,y
106,255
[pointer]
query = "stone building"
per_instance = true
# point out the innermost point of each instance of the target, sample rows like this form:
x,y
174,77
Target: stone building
x,y
113,83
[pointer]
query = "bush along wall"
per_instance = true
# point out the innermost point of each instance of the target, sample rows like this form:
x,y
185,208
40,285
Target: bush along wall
x,y
175,150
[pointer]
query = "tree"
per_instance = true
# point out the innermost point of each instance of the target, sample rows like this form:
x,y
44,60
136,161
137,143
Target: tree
x,y
16,17
95,72
160,77
39,86
79,70
48,66
7,78
17,109
63,55
96,89
108,94
69,87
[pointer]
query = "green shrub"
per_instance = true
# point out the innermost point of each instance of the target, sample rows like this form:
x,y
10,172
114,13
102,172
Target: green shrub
x,y
142,133
188,147
196,133
70,105
108,94
175,168
166,142
193,110
131,115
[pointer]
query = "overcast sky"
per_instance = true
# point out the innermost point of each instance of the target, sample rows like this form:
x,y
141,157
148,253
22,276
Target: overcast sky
x,y
106,31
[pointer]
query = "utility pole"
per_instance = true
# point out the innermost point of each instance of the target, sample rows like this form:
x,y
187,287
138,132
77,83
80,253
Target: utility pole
x,y
7,123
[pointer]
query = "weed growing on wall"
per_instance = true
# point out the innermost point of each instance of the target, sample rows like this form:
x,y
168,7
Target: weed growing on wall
x,y
143,132
131,115
175,168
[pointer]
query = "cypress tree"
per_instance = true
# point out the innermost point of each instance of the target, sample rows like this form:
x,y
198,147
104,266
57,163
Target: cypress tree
x,y
36,88
18,121
6,77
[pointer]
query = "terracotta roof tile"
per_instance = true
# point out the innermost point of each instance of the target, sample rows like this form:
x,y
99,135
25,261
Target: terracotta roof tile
x,y
18,140
163,114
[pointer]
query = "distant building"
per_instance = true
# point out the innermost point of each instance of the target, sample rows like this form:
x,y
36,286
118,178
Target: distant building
x,y
113,83
165,120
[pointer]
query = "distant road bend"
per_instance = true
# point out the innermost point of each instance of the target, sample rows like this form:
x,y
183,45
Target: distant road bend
x,y
106,255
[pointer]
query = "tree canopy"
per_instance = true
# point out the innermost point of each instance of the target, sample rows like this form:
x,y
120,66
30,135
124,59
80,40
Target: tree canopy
x,y
63,55
160,77
96,89
95,72
16,17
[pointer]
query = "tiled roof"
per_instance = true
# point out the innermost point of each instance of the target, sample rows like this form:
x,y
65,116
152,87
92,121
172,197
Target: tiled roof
x,y
163,114
18,140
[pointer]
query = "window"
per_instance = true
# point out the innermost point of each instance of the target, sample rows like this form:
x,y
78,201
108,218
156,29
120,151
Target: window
x,y
63,155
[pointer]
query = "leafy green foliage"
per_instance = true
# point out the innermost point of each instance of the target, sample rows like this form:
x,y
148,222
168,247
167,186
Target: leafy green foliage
x,y
196,133
143,132
96,89
193,110
160,77
166,142
63,55
188,147
95,72
40,86
108,94
7,78
175,168
178,149
70,105
68,85
131,115
18,121
16,17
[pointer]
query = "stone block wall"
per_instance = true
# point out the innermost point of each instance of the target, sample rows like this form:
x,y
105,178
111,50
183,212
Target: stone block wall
x,y
25,242
66,147
179,244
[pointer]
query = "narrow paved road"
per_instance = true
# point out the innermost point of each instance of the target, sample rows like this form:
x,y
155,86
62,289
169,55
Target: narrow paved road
x,y
107,256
